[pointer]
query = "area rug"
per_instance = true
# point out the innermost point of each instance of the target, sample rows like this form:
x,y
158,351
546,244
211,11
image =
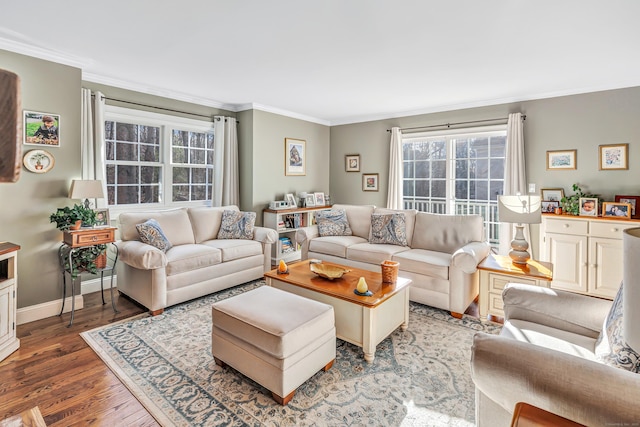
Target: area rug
x,y
420,377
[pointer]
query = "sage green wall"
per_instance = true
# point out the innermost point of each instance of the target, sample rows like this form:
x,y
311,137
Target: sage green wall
x,y
579,122
245,160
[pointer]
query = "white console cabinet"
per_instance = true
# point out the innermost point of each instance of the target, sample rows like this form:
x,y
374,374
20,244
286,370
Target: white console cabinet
x,y
8,307
586,252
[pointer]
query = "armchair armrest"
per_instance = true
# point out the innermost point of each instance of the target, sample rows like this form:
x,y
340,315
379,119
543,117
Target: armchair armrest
x,y
562,310
509,371
470,255
140,255
265,235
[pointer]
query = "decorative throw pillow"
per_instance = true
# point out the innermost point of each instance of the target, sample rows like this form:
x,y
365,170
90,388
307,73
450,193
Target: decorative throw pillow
x,y
388,228
611,347
151,233
237,225
333,223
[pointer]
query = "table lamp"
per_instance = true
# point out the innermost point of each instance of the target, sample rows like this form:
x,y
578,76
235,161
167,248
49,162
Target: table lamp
x,y
86,189
519,210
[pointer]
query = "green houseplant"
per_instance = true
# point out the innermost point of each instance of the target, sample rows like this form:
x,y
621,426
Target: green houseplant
x,y
67,217
571,204
84,259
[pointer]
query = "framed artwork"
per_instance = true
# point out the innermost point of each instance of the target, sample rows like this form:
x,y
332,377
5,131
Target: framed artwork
x,y
561,159
633,201
549,206
294,156
613,157
369,182
552,194
616,210
352,162
41,128
102,217
292,200
588,206
310,200
38,161
319,197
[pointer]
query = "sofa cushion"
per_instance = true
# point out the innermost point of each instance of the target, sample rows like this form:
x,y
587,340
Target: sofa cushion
x,y
334,245
237,225
446,233
184,258
422,261
373,253
232,249
151,233
611,347
175,224
206,221
388,228
409,219
333,222
359,218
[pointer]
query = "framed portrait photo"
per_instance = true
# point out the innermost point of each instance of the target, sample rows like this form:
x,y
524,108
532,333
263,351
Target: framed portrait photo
x,y
561,159
588,206
319,199
41,128
634,201
616,210
549,206
369,182
295,157
102,217
292,200
613,157
310,200
552,194
352,162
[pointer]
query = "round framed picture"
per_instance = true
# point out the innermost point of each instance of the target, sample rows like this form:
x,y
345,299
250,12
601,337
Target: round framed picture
x,y
38,161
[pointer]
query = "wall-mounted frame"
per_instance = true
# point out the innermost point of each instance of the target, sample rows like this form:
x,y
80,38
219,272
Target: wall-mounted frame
x,y
352,163
549,206
613,157
588,206
41,128
616,210
295,157
552,194
102,217
292,200
369,182
634,201
319,198
562,159
38,161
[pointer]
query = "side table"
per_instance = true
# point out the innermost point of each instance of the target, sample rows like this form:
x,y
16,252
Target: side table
x,y
73,240
498,270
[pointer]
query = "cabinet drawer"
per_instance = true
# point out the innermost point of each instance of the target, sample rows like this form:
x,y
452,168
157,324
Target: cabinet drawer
x,y
89,237
567,226
608,229
496,304
497,282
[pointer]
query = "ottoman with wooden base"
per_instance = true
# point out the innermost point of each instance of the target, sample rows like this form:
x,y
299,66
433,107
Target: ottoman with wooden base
x,y
276,338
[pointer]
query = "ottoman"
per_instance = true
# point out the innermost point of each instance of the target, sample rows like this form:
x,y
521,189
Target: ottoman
x,y
276,338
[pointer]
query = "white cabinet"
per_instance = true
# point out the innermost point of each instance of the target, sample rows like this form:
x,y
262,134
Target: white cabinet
x,y
586,252
8,306
286,222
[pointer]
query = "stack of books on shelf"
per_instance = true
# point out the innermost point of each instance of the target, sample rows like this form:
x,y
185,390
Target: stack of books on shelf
x,y
292,220
286,246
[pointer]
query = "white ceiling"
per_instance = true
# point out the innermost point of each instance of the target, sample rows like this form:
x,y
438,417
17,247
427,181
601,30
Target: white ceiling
x,y
337,61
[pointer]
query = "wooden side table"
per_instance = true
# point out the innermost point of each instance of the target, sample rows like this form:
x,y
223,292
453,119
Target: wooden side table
x,y
498,270
82,238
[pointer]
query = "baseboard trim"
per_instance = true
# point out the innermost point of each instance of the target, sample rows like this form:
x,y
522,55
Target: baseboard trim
x,y
93,285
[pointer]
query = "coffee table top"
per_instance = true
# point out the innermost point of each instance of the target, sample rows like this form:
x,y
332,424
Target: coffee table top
x,y
342,288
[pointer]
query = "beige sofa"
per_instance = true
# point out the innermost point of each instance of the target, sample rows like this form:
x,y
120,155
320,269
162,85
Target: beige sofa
x,y
197,264
441,257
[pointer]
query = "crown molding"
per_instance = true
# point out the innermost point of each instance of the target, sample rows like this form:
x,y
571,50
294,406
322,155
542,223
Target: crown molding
x,y
286,113
30,49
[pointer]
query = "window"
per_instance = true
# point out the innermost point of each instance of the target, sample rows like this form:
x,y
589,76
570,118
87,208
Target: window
x,y
155,159
456,172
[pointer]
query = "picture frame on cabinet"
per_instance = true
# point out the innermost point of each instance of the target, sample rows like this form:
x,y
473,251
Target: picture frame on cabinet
x,y
634,201
562,159
588,206
319,199
616,210
310,200
102,217
549,206
613,157
352,162
552,194
290,198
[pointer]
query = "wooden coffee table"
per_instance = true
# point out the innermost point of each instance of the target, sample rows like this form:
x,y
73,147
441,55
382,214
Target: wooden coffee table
x,y
363,321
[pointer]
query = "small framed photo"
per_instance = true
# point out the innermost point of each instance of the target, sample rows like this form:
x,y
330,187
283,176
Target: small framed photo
x,y
295,156
102,217
310,200
552,194
588,206
614,157
558,160
352,162
319,199
616,210
292,200
41,128
369,182
633,201
549,206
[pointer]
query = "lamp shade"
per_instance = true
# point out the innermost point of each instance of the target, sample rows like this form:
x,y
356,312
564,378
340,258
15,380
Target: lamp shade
x,y
631,288
520,209
86,189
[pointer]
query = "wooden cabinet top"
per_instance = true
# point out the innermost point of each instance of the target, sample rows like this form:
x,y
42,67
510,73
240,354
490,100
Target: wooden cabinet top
x,y
503,264
6,247
292,210
589,218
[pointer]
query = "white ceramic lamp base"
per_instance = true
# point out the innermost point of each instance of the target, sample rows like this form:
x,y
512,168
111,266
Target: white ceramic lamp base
x,y
519,246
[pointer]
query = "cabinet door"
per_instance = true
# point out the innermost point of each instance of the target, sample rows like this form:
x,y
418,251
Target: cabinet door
x,y
568,253
605,266
7,331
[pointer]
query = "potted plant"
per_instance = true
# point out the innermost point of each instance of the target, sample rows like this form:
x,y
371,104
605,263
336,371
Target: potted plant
x,y
86,259
571,204
71,218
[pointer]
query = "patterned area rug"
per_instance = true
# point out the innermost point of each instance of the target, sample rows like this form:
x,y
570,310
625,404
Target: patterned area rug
x,y
420,377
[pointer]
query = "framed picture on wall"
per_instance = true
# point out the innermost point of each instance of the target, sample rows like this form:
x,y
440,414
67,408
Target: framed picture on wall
x,y
369,182
41,128
613,157
561,159
295,156
352,162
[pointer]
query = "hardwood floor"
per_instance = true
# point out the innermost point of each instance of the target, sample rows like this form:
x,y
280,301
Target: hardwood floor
x,y
57,371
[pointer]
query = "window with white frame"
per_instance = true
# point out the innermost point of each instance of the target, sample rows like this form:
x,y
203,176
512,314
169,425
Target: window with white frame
x,y
456,171
156,159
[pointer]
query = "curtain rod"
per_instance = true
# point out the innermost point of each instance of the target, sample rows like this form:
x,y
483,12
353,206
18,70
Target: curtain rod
x,y
524,117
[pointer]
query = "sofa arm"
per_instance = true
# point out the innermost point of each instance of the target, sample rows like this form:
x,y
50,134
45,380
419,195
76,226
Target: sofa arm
x,y
140,255
265,235
562,310
509,371
303,237
470,255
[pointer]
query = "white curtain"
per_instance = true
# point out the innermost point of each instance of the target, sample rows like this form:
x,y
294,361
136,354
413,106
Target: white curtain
x,y
92,145
226,176
394,195
515,177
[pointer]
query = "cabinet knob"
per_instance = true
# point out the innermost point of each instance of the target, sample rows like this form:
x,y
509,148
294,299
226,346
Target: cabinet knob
x,y
614,229
565,225
94,238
